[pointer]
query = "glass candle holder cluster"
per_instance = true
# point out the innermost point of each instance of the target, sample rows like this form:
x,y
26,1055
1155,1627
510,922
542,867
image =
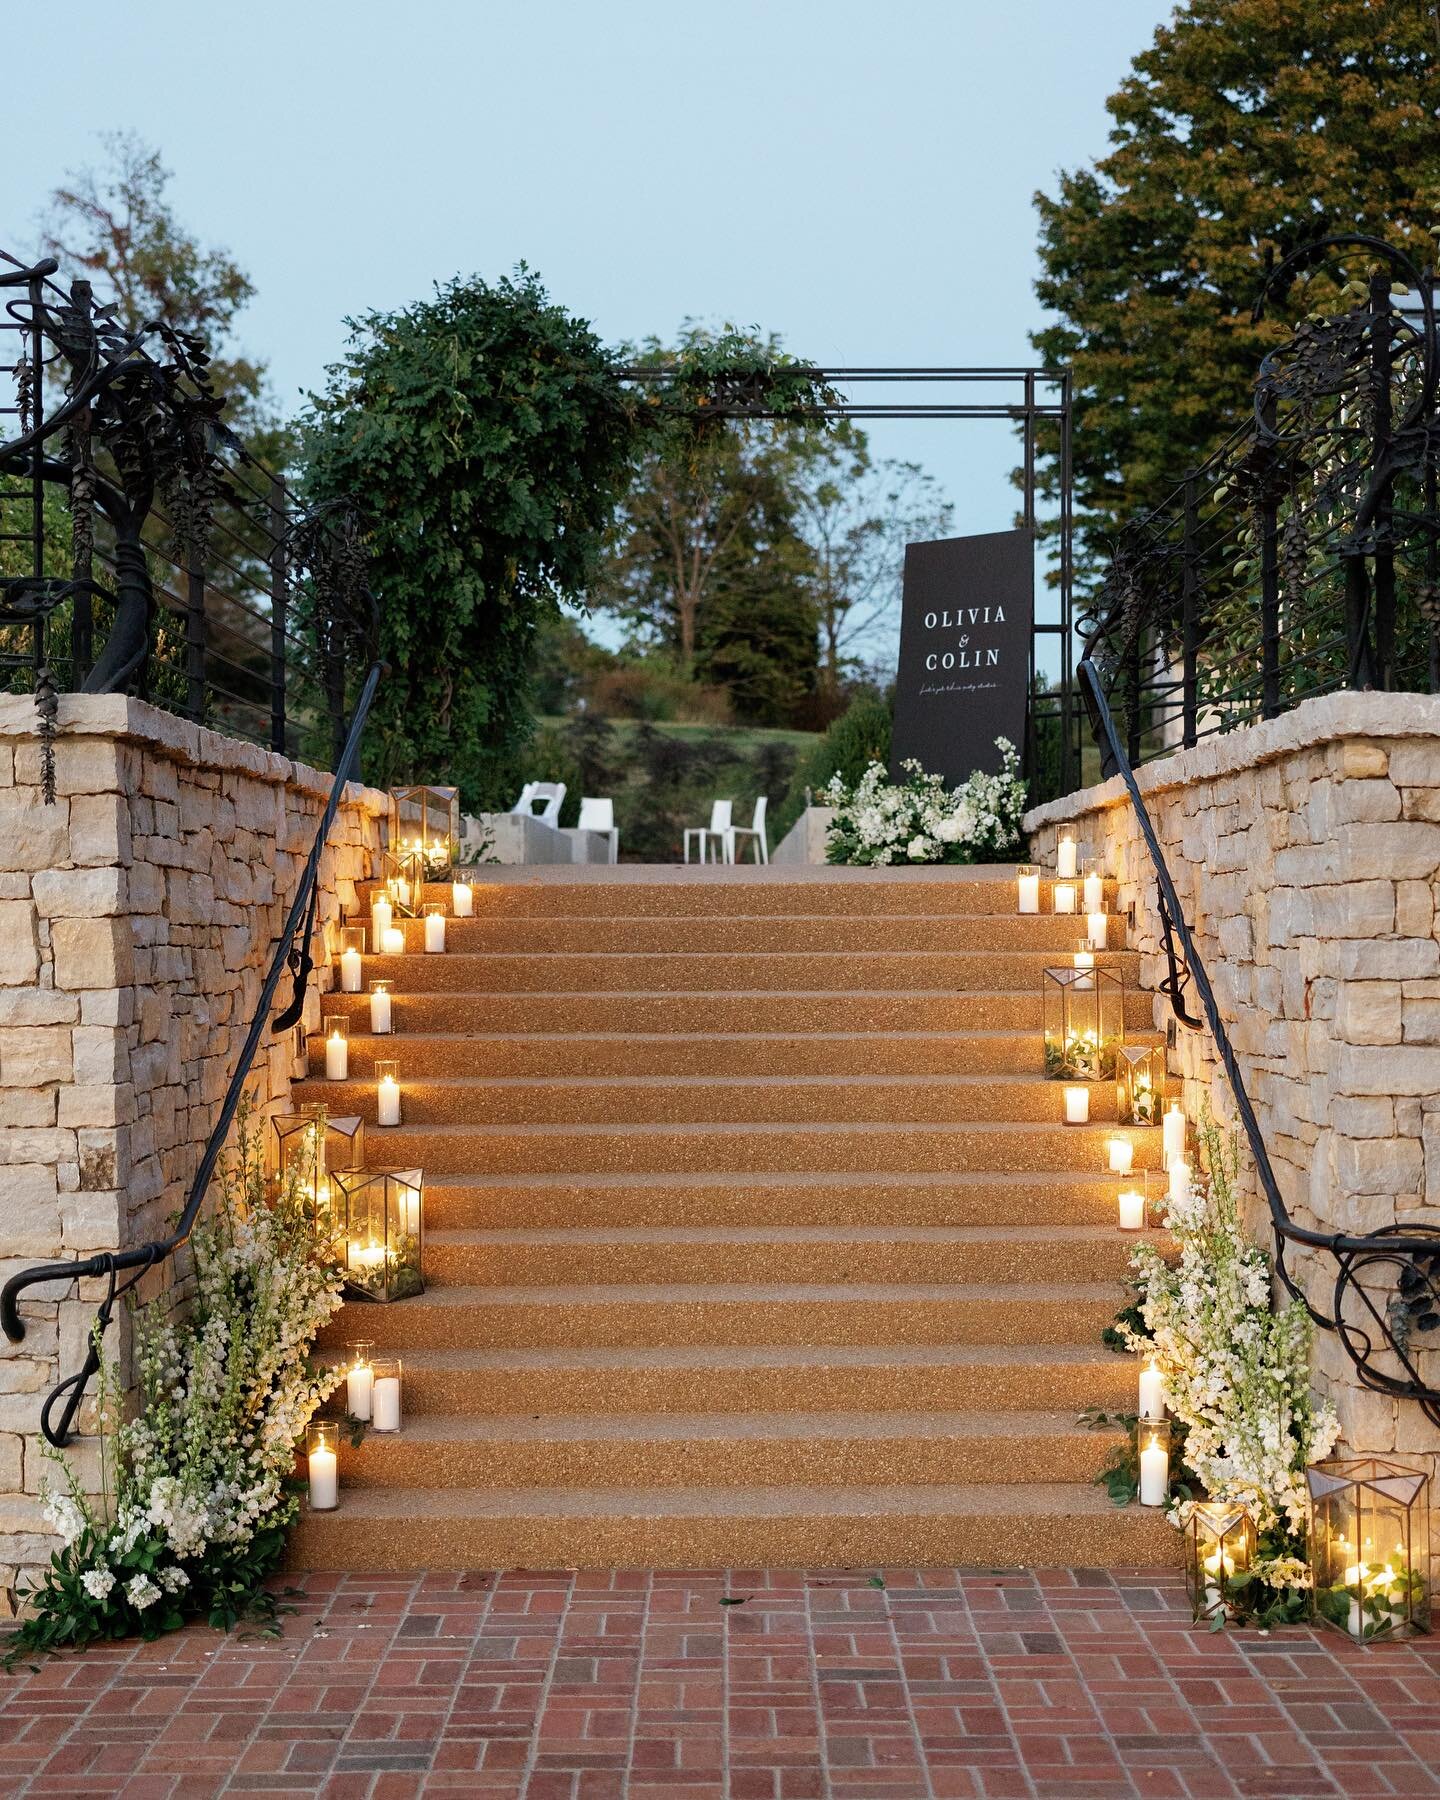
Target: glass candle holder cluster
x,y
1370,1546
1083,1013
1219,1554
313,1150
383,1220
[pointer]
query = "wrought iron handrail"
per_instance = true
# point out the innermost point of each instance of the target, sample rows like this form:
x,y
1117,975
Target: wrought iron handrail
x,y
134,1263
1404,1249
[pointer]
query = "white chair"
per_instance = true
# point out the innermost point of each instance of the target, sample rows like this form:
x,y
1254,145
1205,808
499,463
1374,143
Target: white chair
x,y
551,793
755,829
599,815
717,830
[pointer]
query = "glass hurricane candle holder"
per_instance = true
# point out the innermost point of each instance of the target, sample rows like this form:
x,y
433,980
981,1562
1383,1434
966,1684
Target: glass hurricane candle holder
x,y
1219,1552
322,1456
1139,1083
387,1092
1092,888
381,1009
1370,1546
1153,1438
1083,1011
1027,883
359,1378
434,928
384,1232
311,1148
425,828
462,896
1077,1105
1067,856
352,959
1062,896
337,1047
385,1409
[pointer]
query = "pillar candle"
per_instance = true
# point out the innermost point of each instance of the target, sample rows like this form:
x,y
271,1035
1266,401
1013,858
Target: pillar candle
x,y
350,971
382,917
1179,1179
462,899
385,1404
1065,857
1029,886
402,890
1154,1472
324,1481
393,943
1173,1140
1064,896
1094,891
380,1012
1122,1155
1077,1105
1152,1392
1132,1210
1098,929
387,1101
359,1383
337,1058
434,931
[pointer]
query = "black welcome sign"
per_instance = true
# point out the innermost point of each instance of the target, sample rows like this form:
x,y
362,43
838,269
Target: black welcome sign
x,y
965,622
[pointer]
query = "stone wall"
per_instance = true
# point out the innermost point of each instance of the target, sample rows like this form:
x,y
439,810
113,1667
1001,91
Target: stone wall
x,y
1306,852
138,914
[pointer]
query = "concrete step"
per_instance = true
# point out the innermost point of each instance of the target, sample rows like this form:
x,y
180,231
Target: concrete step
x,y
489,1202
798,1255
1018,1525
773,1378
649,1316
738,1149
729,1450
745,934
419,1010
660,892
706,1100
705,973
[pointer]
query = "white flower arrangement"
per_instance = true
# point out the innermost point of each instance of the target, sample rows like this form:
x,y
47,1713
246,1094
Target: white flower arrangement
x,y
1236,1367
198,1488
878,823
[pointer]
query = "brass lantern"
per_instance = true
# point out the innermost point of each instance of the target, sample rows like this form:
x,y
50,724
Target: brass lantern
x,y
425,830
1139,1083
383,1221
1370,1546
1219,1551
312,1150
1084,1018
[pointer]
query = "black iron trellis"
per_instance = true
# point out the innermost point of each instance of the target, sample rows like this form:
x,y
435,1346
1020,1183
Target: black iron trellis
x,y
1031,399
1300,559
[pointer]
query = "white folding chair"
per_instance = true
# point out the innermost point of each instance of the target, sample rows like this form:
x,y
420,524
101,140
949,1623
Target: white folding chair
x,y
755,829
716,830
599,815
552,793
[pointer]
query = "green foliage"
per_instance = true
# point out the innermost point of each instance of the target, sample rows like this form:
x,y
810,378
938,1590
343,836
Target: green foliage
x,y
860,736
488,439
1248,128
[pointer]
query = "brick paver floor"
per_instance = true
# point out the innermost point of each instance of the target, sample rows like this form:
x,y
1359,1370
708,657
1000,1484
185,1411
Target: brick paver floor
x,y
565,1686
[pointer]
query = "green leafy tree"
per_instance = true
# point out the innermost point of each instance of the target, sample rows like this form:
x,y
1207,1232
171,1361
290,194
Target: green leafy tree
x,y
1247,129
488,438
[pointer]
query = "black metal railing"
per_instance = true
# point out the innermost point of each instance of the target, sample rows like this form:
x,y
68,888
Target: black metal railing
x,y
292,952
1299,560
143,548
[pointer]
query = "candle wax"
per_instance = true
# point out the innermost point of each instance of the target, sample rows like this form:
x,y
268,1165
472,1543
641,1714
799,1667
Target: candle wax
x,y
350,971
1066,853
358,1384
387,1101
1152,1393
462,899
337,1058
385,1414
380,1013
324,1480
1029,886
434,932
1154,1475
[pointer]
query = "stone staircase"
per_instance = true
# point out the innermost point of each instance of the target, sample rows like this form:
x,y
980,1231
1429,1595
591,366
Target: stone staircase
x,y
752,1233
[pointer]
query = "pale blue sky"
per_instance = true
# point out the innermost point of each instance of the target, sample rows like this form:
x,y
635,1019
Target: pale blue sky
x,y
855,176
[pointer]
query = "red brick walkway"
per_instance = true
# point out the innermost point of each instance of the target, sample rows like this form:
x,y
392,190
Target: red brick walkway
x,y
586,1687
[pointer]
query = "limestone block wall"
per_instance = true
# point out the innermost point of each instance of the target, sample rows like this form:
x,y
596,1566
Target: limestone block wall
x,y
1306,853
138,914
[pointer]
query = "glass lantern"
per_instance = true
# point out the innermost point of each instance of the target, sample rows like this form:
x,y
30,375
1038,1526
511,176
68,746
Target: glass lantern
x,y
1084,1017
425,830
383,1214
1139,1083
313,1149
1219,1552
1370,1546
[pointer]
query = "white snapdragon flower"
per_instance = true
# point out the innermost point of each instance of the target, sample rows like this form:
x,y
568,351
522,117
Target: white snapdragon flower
x,y
141,1592
66,1514
97,1583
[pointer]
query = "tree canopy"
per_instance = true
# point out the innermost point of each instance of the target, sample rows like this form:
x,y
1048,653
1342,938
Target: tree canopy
x,y
1247,129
